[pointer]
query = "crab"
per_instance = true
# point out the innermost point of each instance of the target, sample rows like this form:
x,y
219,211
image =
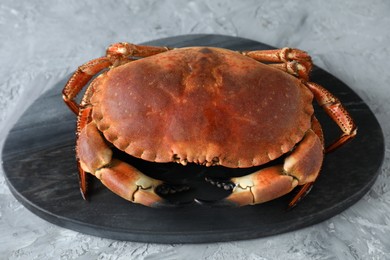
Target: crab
x,y
202,105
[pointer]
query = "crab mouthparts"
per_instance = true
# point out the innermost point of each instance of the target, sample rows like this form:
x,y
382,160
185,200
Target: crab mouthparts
x,y
184,161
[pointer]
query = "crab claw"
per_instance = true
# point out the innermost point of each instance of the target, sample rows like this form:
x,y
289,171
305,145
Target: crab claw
x,y
301,167
96,157
261,186
129,183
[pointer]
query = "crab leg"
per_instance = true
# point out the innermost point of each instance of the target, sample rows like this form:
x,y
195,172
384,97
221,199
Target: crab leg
x,y
300,167
294,68
337,113
80,78
116,54
126,50
278,55
83,120
292,61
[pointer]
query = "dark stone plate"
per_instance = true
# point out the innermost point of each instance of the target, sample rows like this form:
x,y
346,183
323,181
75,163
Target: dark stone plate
x,y
39,165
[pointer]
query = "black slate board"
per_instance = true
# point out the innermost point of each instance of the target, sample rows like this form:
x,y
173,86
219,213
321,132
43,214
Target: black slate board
x,y
39,165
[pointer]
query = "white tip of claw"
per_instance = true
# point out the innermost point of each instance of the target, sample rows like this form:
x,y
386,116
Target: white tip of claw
x,y
243,182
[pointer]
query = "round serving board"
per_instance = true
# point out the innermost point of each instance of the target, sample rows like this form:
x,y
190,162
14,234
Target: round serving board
x,y
39,165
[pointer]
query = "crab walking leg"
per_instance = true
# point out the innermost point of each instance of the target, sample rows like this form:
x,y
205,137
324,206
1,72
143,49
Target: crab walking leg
x,y
83,120
125,49
294,68
121,178
300,167
116,54
292,61
80,78
337,113
278,55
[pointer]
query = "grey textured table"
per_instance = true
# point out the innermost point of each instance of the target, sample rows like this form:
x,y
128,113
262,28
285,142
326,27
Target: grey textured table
x,y
40,43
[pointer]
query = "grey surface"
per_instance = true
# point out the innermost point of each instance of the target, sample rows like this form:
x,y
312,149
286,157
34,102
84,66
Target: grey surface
x,y
41,42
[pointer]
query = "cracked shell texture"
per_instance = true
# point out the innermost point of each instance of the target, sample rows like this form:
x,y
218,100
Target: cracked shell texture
x,y
202,104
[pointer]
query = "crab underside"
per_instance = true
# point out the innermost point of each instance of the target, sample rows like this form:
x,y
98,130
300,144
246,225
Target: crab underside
x,y
202,107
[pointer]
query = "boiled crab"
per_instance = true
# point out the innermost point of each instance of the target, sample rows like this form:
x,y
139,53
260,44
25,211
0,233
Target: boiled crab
x,y
202,105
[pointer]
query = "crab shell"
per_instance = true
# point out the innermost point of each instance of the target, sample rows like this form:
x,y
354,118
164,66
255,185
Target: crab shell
x,y
204,105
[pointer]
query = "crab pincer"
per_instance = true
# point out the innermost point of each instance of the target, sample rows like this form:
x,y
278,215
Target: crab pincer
x,y
120,177
301,167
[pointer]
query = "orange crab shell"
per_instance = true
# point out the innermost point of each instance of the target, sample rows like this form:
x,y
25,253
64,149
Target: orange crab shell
x,y
204,105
